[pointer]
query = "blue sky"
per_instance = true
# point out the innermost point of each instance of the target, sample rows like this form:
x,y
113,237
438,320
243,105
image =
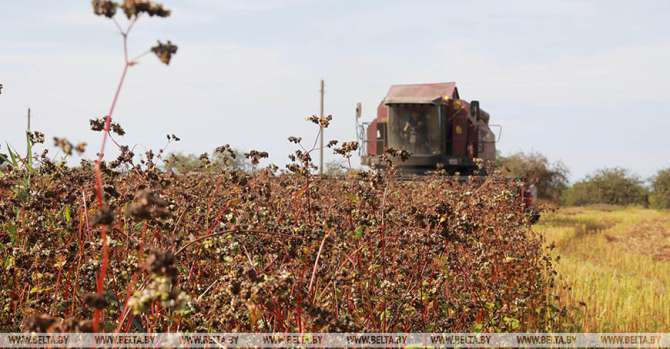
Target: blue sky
x,y
584,82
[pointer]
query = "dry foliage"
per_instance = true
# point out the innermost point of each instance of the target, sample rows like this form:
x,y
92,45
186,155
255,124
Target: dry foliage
x,y
271,251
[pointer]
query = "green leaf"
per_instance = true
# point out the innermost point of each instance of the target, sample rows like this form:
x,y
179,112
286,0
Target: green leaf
x,y
29,153
13,156
66,214
12,233
358,233
9,262
512,323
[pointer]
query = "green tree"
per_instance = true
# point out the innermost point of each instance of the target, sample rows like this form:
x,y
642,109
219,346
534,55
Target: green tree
x,y
660,189
614,186
334,168
550,178
217,161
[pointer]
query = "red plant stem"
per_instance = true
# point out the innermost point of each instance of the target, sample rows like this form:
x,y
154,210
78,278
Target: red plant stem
x,y
126,308
58,289
190,272
100,282
299,313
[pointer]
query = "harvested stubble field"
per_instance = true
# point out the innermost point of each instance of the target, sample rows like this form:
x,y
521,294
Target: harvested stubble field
x,y
616,262
268,251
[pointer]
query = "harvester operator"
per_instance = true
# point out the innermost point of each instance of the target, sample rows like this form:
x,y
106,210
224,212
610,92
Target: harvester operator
x,y
415,132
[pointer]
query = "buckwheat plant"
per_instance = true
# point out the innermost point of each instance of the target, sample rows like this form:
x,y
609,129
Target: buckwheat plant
x,y
133,10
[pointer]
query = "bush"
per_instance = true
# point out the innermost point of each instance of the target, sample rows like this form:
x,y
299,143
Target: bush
x,y
551,179
660,189
335,169
613,186
216,162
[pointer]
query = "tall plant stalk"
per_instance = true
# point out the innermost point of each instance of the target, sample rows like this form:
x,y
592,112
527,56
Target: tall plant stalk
x,y
132,10
100,282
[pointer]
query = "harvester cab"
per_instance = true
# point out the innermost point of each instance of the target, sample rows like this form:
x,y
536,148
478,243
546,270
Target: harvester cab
x,y
433,124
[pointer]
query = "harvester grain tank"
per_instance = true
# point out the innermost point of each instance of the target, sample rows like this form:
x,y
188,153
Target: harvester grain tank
x,y
431,122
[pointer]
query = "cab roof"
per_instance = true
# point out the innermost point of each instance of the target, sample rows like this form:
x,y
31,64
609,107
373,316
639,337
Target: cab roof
x,y
420,93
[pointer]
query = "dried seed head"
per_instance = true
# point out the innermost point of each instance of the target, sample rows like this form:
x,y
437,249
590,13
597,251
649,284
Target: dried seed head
x,y
80,148
39,323
255,156
105,8
147,204
116,128
403,155
64,145
110,190
36,137
164,51
252,274
67,325
322,121
126,157
97,124
347,148
104,217
95,301
226,150
133,8
161,263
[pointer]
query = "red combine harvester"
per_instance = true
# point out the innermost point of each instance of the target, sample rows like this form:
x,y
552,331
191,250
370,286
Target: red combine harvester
x,y
438,129
431,122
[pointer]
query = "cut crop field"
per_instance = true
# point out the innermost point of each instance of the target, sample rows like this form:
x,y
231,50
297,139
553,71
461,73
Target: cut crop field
x,y
617,262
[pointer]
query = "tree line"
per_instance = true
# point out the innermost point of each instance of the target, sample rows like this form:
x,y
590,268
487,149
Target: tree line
x,y
613,186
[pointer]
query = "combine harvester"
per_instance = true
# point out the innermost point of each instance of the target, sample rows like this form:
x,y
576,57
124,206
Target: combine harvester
x,y
438,129
433,124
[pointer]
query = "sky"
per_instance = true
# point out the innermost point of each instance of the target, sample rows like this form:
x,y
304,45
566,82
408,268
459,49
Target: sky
x,y
582,82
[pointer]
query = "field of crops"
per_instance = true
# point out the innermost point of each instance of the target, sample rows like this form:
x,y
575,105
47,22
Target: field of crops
x,y
115,241
268,251
617,262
